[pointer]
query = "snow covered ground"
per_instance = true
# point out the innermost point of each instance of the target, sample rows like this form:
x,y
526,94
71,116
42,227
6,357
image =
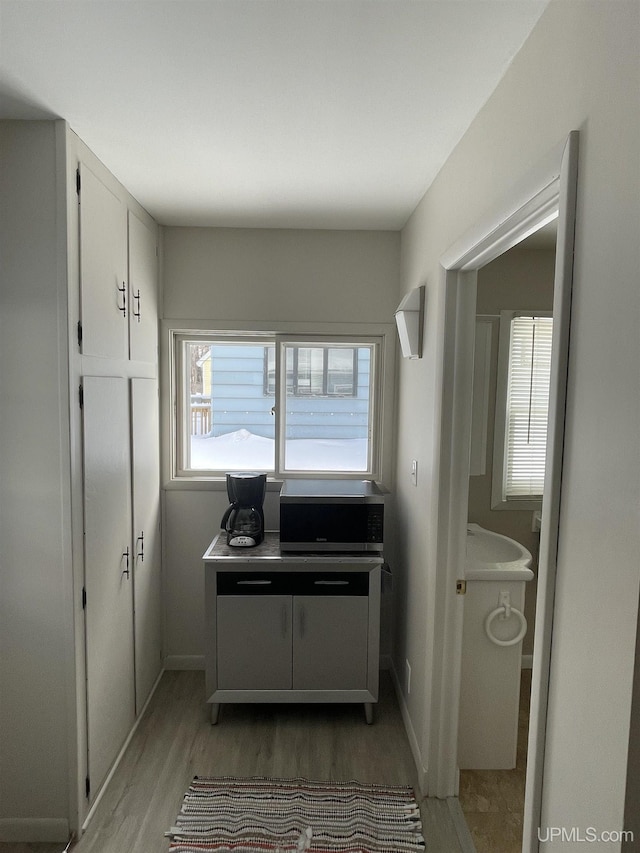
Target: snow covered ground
x,y
242,450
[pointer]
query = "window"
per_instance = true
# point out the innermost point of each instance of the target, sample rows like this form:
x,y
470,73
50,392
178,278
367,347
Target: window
x,y
522,405
315,371
280,404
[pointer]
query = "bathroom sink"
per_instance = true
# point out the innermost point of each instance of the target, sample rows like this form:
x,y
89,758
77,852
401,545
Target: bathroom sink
x,y
492,556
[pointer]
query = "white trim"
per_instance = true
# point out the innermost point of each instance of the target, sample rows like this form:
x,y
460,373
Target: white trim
x,y
551,185
411,735
114,766
509,222
186,662
549,534
35,830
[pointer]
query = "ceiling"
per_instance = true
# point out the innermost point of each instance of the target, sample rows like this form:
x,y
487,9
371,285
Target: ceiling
x,y
263,113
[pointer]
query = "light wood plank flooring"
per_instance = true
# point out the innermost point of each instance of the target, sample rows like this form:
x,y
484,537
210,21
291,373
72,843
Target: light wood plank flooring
x,y
175,742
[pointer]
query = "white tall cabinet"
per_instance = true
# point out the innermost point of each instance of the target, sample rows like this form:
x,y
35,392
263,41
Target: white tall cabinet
x,y
80,631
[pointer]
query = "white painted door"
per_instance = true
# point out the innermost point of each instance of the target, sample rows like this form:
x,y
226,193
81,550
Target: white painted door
x,y
108,575
145,473
104,304
143,292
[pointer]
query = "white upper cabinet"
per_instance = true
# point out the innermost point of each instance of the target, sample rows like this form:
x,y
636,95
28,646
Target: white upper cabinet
x,y
118,275
103,269
143,292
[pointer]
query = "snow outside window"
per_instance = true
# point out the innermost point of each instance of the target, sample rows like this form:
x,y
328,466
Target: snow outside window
x,y
280,405
522,409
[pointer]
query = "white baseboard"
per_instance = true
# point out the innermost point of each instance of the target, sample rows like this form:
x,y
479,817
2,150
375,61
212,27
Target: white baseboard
x,y
411,735
526,662
184,662
14,830
114,767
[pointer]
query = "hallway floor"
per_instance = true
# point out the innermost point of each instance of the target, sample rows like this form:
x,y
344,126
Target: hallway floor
x,y
175,741
493,800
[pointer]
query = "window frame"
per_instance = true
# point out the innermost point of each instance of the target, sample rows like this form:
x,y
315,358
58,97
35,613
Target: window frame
x,y
266,385
499,500
176,414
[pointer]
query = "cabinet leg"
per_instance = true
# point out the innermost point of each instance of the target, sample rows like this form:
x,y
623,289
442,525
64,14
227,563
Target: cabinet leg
x,y
368,712
215,711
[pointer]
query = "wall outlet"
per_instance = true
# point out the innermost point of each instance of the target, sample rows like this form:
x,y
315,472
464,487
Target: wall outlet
x,y
407,666
414,472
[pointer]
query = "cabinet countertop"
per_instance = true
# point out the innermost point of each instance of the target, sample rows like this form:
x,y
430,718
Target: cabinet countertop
x,y
269,551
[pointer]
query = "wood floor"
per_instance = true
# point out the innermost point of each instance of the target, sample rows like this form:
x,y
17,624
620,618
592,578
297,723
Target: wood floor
x,y
175,742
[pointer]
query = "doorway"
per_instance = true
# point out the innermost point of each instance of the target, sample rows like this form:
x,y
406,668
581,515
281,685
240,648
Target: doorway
x,y
548,191
509,414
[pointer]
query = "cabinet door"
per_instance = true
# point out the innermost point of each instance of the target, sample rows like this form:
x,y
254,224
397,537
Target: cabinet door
x,y
108,580
253,637
143,292
145,475
104,305
330,638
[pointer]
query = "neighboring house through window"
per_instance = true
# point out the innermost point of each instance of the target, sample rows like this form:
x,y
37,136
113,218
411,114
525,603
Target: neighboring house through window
x,y
280,404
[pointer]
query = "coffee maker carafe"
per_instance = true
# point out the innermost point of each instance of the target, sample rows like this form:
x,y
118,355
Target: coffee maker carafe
x,y
244,517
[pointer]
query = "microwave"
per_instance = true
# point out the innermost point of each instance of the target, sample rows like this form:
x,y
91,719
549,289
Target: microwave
x,y
331,515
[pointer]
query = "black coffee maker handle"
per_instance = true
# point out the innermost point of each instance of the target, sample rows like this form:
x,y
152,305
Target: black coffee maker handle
x,y
227,513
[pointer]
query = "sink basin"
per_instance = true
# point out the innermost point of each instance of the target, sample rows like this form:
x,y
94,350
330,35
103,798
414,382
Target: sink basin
x,y
492,556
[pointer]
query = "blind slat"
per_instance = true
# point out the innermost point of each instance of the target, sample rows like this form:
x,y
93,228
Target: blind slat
x,y
527,405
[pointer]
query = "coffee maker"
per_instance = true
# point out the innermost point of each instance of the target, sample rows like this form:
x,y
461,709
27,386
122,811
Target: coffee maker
x,y
243,519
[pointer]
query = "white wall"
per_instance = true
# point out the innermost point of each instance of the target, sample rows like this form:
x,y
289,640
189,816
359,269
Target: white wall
x,y
34,557
579,69
255,278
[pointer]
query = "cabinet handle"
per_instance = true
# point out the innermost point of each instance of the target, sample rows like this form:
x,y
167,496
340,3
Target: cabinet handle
x,y
253,583
125,554
140,539
137,313
123,291
331,583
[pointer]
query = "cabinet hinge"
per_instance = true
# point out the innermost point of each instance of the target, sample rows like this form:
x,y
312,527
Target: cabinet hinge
x,y
78,181
79,333
461,587
87,787
84,598
81,396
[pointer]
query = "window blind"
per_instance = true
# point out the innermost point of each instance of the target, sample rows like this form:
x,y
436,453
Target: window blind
x,y
527,406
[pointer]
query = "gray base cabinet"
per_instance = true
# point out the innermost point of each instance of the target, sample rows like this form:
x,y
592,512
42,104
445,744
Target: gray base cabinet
x,y
291,628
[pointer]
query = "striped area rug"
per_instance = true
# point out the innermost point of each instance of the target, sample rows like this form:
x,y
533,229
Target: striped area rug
x,y
259,815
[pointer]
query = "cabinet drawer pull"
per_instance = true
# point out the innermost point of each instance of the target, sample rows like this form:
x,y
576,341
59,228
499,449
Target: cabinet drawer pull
x,y
331,583
254,583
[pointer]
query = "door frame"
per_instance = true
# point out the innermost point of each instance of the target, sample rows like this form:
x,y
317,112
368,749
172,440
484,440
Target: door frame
x,y
549,188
